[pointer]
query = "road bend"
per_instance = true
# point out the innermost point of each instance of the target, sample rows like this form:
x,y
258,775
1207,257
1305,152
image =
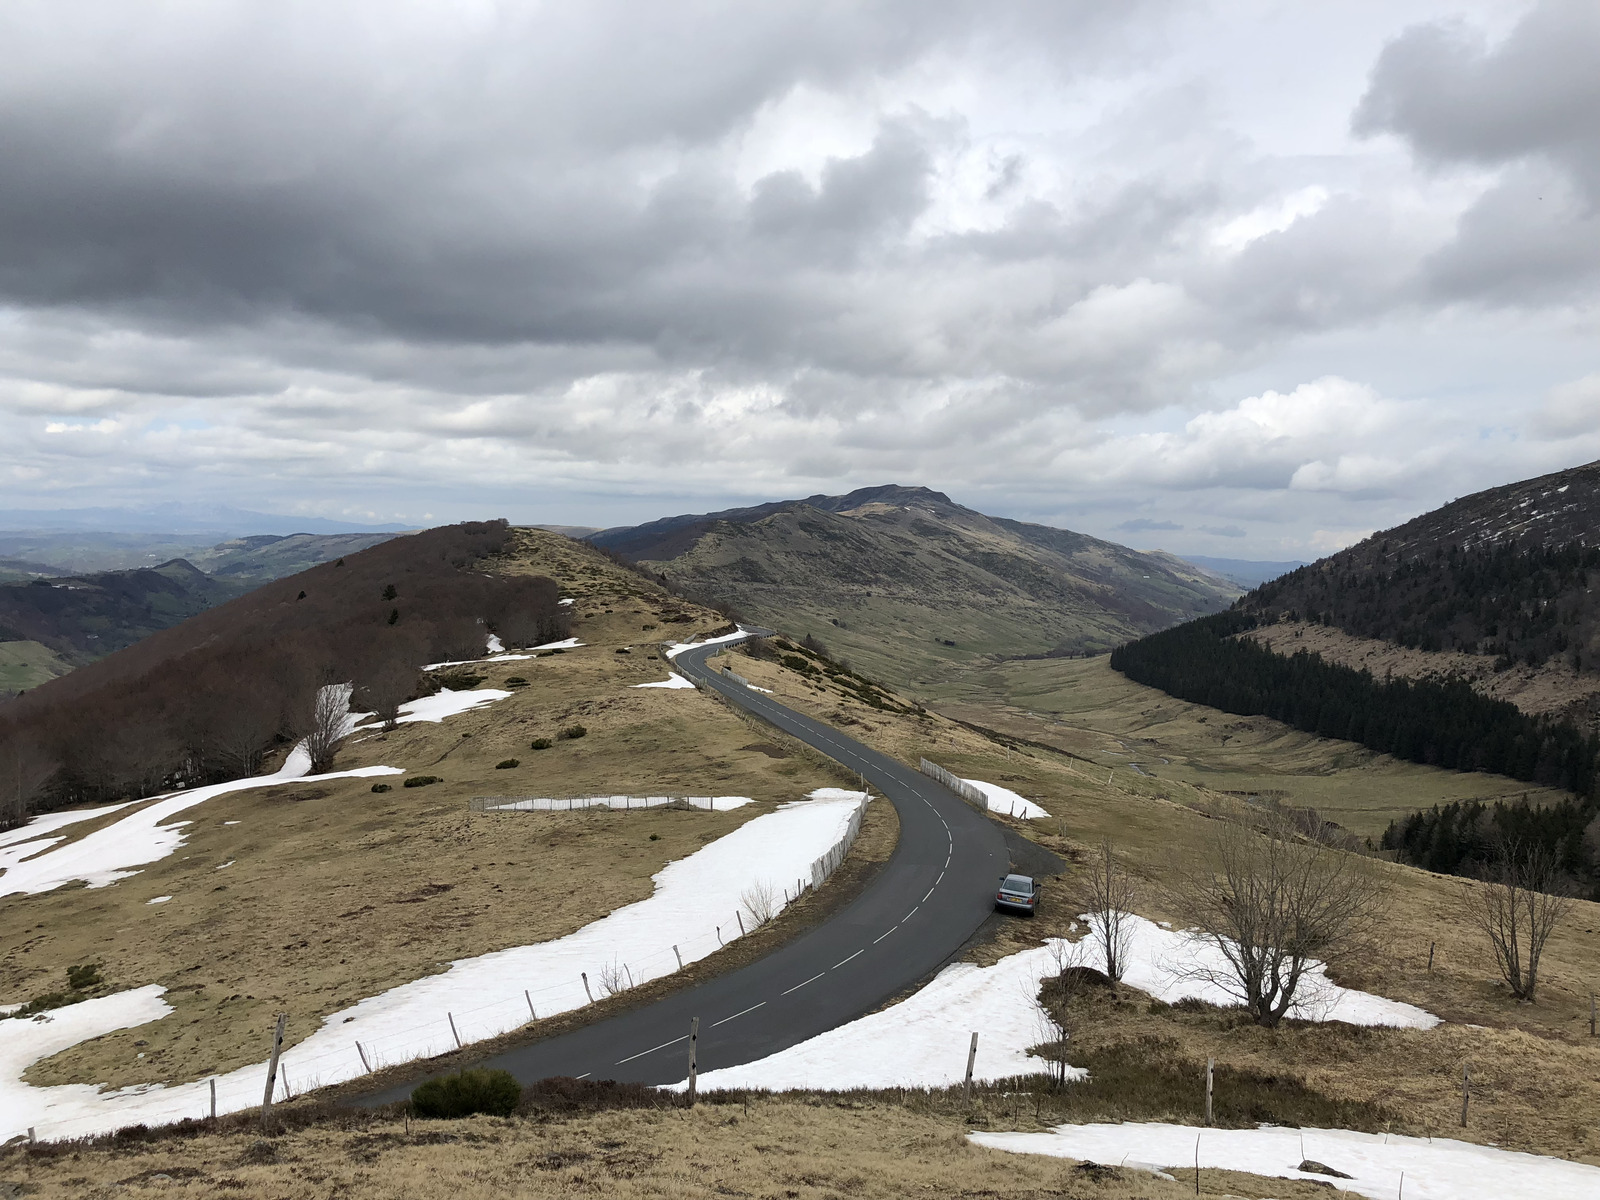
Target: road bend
x,y
934,892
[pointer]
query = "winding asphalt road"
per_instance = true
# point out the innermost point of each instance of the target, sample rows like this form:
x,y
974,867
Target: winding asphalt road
x,y
934,892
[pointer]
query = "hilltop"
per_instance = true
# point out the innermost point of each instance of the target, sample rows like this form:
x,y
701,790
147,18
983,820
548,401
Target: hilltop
x,y
912,587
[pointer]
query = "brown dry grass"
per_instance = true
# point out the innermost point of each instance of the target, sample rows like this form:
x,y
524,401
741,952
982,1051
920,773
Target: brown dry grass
x,y
336,893
779,1148
1541,1071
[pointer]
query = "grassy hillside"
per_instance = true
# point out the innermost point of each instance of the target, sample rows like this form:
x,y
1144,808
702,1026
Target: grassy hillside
x,y
265,557
26,664
913,589
335,892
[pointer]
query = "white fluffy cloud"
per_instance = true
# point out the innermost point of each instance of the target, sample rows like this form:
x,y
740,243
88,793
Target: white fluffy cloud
x,y
1226,280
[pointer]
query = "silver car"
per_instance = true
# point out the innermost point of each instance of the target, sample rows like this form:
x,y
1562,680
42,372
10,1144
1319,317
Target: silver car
x,y
1018,893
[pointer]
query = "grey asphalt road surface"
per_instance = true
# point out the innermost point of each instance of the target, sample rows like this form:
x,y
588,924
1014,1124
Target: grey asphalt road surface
x,y
934,892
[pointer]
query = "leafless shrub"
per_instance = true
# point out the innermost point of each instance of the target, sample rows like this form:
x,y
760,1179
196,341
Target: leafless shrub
x,y
1052,1000
1272,906
760,902
613,978
386,688
326,725
1521,900
1111,900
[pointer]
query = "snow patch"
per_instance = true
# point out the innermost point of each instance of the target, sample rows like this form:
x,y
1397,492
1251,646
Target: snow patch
x,y
159,900
444,703
693,906
922,1041
147,835
1435,1169
678,648
1004,800
673,680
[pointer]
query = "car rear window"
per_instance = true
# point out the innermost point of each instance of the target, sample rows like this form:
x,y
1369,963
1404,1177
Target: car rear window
x,y
1017,883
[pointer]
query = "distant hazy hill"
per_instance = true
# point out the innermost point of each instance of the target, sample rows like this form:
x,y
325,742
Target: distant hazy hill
x,y
910,586
51,622
266,557
1246,572
177,519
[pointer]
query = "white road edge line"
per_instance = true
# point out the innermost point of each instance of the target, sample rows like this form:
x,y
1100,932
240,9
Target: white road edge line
x,y
909,915
883,935
842,961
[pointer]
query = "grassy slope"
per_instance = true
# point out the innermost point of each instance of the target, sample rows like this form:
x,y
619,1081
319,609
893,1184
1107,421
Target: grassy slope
x,y
801,1148
887,586
1526,1054
25,665
326,901
1086,707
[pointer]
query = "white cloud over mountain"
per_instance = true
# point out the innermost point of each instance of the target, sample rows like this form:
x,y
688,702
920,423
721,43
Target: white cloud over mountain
x,y
1265,272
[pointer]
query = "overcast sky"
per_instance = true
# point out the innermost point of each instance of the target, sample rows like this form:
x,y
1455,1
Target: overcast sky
x,y
1249,279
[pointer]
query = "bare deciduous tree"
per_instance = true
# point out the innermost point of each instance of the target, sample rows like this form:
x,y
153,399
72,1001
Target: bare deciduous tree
x,y
1273,905
387,687
1111,899
613,978
1052,1001
1521,900
24,770
760,902
326,726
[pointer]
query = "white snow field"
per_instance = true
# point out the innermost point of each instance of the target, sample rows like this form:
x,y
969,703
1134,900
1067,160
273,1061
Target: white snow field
x,y
443,703
145,836
693,911
678,648
1435,1169
922,1041
619,803
498,653
1004,800
673,680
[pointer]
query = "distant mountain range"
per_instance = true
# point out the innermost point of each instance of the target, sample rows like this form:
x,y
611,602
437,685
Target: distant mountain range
x,y
1246,572
52,621
178,519
912,587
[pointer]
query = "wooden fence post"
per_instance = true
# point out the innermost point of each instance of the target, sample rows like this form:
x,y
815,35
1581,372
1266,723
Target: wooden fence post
x,y
532,1016
1466,1092
680,956
453,1033
740,915
1210,1065
363,1055
972,1057
1430,956
272,1072
1591,1014
213,1097
586,990
694,1039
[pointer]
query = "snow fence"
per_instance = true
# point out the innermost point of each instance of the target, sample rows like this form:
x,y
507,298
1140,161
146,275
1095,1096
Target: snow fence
x,y
624,803
829,862
728,673
973,796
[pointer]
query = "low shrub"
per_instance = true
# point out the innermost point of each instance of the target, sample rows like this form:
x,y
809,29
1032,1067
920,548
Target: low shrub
x,y
380,787
516,681
458,681
461,1095
506,764
540,744
422,780
573,732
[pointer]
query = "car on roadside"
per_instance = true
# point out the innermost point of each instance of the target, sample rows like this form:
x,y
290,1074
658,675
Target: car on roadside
x,y
1017,893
